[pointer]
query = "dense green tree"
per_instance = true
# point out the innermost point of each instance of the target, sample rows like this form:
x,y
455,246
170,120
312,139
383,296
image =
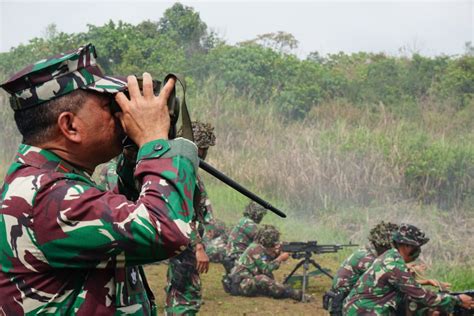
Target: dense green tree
x,y
184,26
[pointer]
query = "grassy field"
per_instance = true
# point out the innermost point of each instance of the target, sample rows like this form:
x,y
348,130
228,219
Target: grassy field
x,y
217,302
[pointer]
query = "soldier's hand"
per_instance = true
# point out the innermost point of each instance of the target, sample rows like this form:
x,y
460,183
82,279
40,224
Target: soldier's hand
x,y
443,286
466,300
283,256
144,116
202,260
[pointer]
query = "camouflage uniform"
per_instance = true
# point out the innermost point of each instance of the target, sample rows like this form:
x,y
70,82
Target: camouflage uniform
x,y
108,177
216,246
68,247
252,274
184,290
382,287
243,234
353,267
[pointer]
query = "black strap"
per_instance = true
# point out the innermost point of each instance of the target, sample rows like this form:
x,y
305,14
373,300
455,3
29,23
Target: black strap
x,y
187,130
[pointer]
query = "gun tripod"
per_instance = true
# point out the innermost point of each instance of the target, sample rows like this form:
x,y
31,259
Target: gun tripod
x,y
305,261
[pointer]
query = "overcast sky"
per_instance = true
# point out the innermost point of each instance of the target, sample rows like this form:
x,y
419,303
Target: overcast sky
x,y
429,27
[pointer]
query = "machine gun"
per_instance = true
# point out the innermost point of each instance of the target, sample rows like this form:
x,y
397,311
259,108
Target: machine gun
x,y
304,251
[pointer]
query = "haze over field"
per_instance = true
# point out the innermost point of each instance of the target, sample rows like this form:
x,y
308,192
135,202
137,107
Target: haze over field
x,y
428,27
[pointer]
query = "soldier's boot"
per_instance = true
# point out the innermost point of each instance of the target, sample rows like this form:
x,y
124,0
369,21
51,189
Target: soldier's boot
x,y
297,295
227,283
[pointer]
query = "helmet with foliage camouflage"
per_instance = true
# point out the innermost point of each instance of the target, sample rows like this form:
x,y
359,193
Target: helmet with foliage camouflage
x,y
59,75
381,235
410,235
203,134
268,236
255,212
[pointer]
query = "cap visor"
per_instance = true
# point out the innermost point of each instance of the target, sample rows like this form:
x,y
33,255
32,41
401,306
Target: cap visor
x,y
108,84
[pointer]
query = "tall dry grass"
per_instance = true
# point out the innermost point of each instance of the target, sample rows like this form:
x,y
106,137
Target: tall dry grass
x,y
341,170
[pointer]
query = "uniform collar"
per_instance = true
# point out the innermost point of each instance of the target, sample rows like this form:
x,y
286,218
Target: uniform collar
x,y
45,159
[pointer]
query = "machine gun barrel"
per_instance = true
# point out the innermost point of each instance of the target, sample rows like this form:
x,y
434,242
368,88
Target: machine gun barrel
x,y
312,247
219,175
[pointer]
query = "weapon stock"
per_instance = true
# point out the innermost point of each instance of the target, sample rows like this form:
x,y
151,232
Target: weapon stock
x,y
219,175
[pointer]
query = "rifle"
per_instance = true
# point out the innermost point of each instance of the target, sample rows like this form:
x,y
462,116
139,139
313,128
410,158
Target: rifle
x,y
459,310
420,309
304,251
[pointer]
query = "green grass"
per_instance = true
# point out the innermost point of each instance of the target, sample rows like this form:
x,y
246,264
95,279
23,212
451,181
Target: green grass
x,y
447,253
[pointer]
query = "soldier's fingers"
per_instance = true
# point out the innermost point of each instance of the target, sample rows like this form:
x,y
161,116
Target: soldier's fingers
x,y
206,267
133,87
119,115
147,85
122,101
199,267
169,86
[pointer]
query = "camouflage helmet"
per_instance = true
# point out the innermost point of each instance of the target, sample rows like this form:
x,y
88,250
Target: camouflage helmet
x,y
268,236
255,212
59,75
203,134
381,235
410,235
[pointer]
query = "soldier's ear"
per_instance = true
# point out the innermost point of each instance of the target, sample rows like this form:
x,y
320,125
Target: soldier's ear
x,y
68,126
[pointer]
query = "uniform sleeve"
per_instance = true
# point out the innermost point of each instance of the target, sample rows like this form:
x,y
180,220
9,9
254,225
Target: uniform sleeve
x,y
265,266
251,231
205,205
203,212
78,225
403,280
342,280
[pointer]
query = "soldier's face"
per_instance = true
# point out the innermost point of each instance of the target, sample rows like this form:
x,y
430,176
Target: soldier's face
x,y
409,253
202,153
101,131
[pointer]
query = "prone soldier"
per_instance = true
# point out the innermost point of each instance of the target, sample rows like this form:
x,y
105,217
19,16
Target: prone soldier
x,y
380,290
243,234
252,274
380,240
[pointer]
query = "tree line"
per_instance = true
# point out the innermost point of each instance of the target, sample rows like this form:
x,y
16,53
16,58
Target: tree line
x,y
263,68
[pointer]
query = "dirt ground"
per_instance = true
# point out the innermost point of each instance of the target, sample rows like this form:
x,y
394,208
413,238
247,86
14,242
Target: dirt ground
x,y
217,302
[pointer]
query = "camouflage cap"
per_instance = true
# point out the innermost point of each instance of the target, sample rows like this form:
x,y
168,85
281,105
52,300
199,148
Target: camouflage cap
x,y
203,134
268,236
381,235
255,211
410,235
58,75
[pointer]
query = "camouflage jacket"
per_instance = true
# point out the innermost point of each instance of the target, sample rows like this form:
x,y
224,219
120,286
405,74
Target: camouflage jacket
x,y
108,176
115,173
255,260
68,247
352,268
241,236
215,248
203,213
381,289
